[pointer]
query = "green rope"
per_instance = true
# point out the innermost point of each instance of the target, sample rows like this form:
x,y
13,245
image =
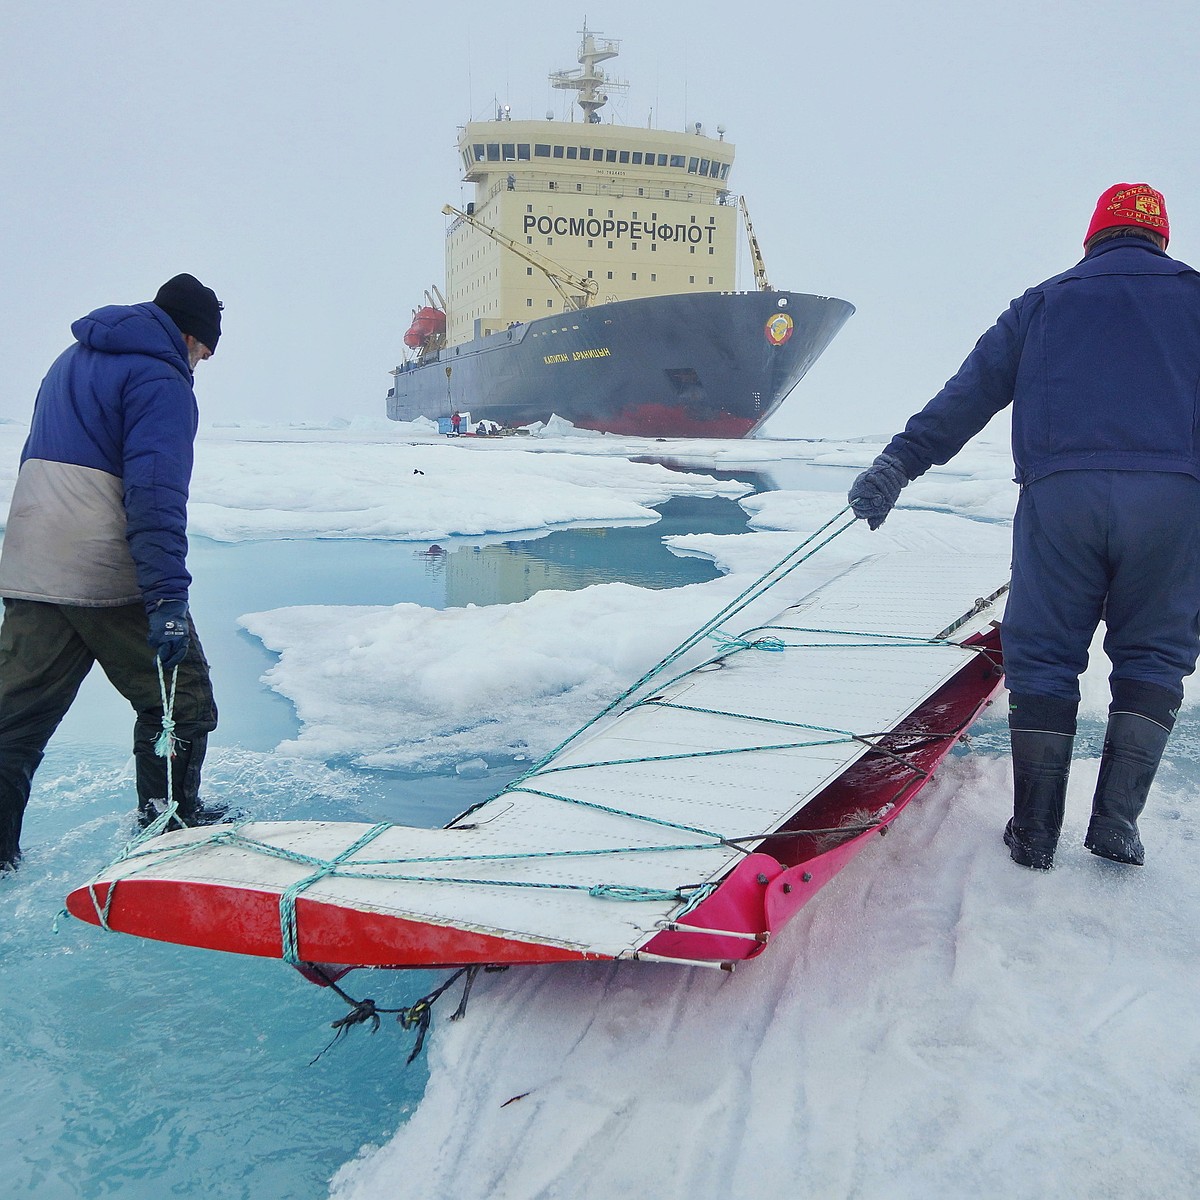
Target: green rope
x,y
741,643
164,744
164,747
844,734
287,900
616,812
354,870
768,579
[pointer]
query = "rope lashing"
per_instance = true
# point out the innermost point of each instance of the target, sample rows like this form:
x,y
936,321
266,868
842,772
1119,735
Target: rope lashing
x,y
287,899
233,836
164,747
790,561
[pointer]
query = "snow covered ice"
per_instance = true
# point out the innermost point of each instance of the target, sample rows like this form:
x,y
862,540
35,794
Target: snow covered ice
x,y
938,1022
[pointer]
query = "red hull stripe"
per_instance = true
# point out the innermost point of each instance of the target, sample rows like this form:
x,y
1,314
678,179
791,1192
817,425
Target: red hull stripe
x,y
242,921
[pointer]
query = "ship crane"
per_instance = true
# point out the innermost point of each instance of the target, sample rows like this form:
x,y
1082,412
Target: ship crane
x,y
559,276
760,268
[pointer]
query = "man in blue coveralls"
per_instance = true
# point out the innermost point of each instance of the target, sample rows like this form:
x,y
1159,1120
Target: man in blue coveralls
x,y
1101,365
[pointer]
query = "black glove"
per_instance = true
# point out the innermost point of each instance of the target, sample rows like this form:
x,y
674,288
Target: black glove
x,y
877,489
169,632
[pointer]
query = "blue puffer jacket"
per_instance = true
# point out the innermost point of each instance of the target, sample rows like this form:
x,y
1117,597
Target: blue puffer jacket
x,y
1101,365
99,512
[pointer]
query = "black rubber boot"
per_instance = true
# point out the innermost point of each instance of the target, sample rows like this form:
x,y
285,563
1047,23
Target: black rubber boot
x,y
10,840
17,766
11,814
191,811
1041,766
1133,748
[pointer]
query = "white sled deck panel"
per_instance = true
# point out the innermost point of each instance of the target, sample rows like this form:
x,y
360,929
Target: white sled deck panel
x,y
598,847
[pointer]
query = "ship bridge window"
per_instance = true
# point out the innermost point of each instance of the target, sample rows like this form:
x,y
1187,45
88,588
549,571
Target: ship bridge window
x,y
637,158
724,170
522,151
479,151
662,160
558,152
624,156
585,153
715,170
510,151
692,165
541,150
704,166
676,160
572,151
493,151
610,156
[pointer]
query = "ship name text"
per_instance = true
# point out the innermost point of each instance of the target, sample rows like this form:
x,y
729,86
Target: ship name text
x,y
594,227
577,355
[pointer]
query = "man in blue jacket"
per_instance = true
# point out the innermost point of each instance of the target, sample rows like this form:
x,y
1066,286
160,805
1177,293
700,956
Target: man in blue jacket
x,y
93,567
1101,365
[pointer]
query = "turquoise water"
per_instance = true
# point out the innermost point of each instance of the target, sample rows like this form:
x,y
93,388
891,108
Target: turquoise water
x,y
138,1070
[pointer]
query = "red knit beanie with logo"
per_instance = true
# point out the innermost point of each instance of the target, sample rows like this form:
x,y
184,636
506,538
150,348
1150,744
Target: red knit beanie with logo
x,y
1136,204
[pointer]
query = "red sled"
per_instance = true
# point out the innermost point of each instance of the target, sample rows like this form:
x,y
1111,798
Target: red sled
x,y
688,828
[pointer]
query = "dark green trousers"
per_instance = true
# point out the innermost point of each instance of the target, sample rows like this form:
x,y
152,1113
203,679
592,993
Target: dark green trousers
x,y
46,651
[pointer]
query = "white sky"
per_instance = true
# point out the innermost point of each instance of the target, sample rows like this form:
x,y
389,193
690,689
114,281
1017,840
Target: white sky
x,y
926,161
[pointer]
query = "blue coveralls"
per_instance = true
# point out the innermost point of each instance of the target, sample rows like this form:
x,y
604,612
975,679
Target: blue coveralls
x,y
1102,367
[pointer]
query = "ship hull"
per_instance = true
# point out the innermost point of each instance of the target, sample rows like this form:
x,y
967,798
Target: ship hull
x,y
714,364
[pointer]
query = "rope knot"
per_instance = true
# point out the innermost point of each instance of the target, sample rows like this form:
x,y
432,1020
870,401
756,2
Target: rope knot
x,y
729,643
360,1014
165,743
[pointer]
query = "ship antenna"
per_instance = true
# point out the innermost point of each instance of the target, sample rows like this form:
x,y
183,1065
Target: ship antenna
x,y
589,80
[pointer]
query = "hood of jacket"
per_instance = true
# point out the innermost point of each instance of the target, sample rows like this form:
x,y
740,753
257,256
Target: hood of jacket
x,y
134,329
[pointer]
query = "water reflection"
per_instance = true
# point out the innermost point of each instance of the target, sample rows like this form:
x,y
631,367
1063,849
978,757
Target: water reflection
x,y
509,571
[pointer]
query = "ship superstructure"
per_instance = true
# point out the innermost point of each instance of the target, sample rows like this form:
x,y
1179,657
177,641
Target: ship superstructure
x,y
644,212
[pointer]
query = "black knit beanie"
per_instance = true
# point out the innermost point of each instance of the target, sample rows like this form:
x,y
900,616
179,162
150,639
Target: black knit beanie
x,y
193,307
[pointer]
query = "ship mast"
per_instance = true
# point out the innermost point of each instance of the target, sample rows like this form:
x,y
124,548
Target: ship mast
x,y
558,275
589,79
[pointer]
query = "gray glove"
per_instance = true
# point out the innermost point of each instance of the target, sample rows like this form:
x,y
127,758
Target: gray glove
x,y
876,490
